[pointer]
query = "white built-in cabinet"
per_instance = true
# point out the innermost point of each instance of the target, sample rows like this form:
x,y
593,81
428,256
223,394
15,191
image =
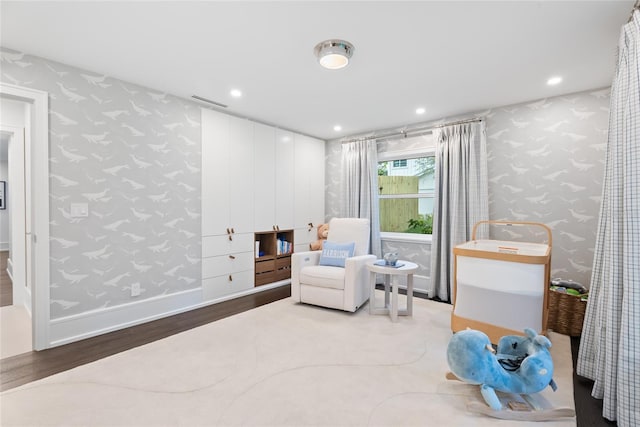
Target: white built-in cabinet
x,y
274,179
255,178
308,190
227,204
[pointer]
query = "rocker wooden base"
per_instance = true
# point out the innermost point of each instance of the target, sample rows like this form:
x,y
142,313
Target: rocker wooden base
x,y
521,415
523,409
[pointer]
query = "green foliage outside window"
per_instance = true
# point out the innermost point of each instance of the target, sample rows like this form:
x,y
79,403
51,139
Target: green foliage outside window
x,y
422,225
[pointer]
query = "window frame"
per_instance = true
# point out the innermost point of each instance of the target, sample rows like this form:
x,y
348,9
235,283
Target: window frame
x,y
402,155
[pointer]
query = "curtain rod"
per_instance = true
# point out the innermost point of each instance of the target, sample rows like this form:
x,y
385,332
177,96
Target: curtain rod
x,y
412,132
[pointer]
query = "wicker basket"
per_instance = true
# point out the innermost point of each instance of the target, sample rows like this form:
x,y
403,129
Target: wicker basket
x,y
566,313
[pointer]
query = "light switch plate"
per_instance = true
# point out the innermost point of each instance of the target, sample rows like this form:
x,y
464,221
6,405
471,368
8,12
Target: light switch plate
x,y
79,210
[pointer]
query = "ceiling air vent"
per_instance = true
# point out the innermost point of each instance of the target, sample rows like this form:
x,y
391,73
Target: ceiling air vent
x,y
208,101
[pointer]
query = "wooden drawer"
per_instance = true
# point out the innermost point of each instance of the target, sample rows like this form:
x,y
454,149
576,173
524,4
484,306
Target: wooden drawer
x,y
264,266
216,287
284,262
264,278
283,274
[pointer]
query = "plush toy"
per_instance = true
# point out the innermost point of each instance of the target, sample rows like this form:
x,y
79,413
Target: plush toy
x,y
323,232
521,365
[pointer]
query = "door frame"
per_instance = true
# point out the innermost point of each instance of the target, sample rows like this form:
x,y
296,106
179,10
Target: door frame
x,y
39,150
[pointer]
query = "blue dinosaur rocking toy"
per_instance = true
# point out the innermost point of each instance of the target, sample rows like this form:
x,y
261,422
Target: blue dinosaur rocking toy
x,y
521,365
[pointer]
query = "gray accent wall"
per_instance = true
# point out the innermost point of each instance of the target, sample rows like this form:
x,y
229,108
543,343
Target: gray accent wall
x,y
546,164
133,155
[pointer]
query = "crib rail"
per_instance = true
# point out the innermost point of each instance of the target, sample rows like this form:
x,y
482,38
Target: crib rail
x,y
513,223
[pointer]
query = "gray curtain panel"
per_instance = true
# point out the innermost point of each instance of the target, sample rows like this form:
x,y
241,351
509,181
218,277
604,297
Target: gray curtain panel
x,y
610,345
461,197
360,186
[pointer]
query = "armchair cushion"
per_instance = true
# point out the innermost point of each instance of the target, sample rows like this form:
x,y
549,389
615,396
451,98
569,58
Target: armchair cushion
x,y
334,254
323,276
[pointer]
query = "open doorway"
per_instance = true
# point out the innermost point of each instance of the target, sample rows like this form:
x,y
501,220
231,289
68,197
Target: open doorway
x,y
15,229
27,191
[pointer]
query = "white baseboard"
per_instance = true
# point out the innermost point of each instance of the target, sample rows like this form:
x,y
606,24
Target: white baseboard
x,y
4,246
80,326
420,283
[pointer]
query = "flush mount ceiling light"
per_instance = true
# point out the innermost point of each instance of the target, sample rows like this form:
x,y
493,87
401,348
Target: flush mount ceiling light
x,y
334,54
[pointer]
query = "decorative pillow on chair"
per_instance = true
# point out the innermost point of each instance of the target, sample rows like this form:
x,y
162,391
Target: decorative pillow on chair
x,y
335,254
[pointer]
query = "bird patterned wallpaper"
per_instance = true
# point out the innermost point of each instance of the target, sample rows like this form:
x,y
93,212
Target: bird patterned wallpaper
x,y
545,164
133,155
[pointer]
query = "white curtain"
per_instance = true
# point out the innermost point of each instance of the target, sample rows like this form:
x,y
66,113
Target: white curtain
x,y
360,186
610,345
461,197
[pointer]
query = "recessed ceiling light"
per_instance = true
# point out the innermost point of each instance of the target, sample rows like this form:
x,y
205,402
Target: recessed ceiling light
x,y
554,80
420,110
236,93
337,128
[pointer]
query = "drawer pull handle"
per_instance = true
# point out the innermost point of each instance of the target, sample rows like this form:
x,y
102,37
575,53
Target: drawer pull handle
x,y
230,278
232,257
233,231
230,238
310,226
228,231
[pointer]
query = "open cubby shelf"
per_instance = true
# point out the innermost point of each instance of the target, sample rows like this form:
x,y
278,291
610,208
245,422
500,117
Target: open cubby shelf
x,y
273,256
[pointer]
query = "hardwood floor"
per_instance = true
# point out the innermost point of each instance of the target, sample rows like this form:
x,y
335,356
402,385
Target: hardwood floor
x,y
6,287
24,368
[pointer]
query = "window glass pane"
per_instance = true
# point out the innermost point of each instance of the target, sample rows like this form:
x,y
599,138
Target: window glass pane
x,y
406,189
416,176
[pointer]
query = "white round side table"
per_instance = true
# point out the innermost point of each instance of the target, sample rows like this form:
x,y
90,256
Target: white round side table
x,y
391,280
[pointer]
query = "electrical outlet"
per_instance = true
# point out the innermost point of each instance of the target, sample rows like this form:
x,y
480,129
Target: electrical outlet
x,y
135,289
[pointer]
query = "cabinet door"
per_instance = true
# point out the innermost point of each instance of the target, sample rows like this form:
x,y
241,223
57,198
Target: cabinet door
x,y
284,180
265,177
303,236
309,181
316,182
303,160
227,264
221,245
241,158
215,172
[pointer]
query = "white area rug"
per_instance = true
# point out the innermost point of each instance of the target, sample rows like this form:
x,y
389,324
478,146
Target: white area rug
x,y
15,331
279,364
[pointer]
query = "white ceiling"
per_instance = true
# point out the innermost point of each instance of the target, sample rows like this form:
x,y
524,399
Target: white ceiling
x,y
449,57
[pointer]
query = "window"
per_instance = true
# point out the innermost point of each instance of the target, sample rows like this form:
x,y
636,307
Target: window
x,y
406,190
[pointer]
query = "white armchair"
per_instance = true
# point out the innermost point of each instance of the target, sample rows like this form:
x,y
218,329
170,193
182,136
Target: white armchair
x,y
335,287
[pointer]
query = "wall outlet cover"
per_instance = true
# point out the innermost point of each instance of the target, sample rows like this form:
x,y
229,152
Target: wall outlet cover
x,y
135,289
79,210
